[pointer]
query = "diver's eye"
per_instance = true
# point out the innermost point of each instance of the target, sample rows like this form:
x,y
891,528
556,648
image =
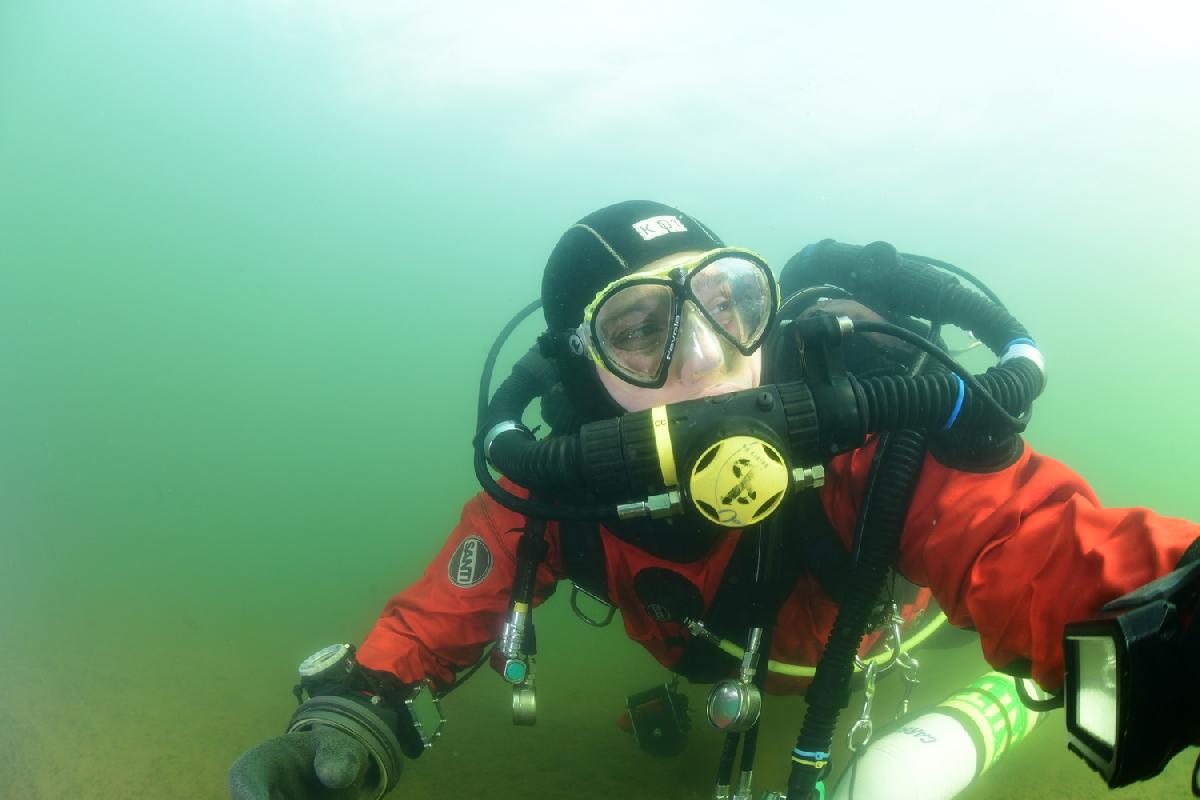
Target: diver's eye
x,y
725,306
639,337
717,298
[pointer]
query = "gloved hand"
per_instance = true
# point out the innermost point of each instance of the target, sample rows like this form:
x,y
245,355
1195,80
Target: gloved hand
x,y
317,764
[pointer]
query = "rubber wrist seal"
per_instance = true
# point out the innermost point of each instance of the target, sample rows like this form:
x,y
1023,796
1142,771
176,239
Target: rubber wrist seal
x,y
357,720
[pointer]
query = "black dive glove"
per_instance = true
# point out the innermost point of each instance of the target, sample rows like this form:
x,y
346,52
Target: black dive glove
x,y
336,748
319,764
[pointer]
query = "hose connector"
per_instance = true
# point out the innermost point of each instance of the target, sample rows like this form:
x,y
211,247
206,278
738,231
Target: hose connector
x,y
497,429
1025,348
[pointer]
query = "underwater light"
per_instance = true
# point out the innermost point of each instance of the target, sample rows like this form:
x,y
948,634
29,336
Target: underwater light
x,y
1131,675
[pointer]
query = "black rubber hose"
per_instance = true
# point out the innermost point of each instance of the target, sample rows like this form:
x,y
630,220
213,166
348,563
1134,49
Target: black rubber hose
x,y
916,286
546,465
899,469
896,402
489,363
728,754
531,377
762,611
955,270
750,741
1013,424
549,465
991,323
987,405
890,403
531,551
749,750
532,508
916,289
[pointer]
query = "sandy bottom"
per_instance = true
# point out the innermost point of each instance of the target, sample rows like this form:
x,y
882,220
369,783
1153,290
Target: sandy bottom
x,y
166,720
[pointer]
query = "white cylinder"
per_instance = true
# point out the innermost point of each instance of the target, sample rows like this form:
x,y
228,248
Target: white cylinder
x,y
931,757
936,755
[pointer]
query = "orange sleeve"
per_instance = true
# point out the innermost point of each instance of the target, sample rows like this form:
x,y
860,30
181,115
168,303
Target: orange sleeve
x,y
1018,553
441,623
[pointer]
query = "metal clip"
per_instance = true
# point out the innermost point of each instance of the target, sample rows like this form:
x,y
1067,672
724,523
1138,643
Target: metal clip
x,y
909,668
577,590
862,729
895,651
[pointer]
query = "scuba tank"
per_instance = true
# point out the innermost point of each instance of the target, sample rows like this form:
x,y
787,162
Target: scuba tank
x,y
935,755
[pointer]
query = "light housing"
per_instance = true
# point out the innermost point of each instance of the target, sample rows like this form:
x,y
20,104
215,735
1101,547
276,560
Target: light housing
x,y
1130,691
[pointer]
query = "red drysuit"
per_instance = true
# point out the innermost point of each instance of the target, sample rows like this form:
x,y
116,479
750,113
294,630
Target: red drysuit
x,y
1015,554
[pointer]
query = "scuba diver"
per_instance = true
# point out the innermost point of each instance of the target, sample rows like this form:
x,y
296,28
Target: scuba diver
x,y
780,486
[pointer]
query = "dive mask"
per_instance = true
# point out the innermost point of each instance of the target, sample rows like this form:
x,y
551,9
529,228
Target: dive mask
x,y
632,326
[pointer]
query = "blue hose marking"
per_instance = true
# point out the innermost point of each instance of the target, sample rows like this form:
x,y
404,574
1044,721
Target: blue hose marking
x,y
962,390
813,756
1019,340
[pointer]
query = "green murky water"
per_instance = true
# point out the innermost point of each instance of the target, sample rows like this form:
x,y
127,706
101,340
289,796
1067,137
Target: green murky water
x,y
252,254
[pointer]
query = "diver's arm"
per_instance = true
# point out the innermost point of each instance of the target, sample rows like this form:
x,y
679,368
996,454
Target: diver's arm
x,y
1019,552
440,624
347,740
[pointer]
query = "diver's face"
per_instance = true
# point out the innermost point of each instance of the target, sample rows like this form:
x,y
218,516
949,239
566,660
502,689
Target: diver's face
x,y
704,363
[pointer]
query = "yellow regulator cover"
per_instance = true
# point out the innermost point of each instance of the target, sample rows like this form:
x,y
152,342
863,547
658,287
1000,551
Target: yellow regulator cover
x,y
739,481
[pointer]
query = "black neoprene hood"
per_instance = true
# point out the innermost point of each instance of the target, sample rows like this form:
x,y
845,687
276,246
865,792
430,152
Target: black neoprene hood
x,y
595,251
609,243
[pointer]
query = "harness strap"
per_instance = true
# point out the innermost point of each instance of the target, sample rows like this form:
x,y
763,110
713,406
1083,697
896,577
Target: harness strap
x,y
583,558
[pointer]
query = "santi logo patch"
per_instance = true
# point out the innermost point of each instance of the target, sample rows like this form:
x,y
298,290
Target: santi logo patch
x,y
470,564
658,612
654,227
667,596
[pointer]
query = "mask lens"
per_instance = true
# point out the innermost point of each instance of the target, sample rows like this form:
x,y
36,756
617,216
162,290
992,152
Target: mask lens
x,y
735,295
633,327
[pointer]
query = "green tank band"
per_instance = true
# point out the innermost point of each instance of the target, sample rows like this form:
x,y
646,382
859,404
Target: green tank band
x,y
999,719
